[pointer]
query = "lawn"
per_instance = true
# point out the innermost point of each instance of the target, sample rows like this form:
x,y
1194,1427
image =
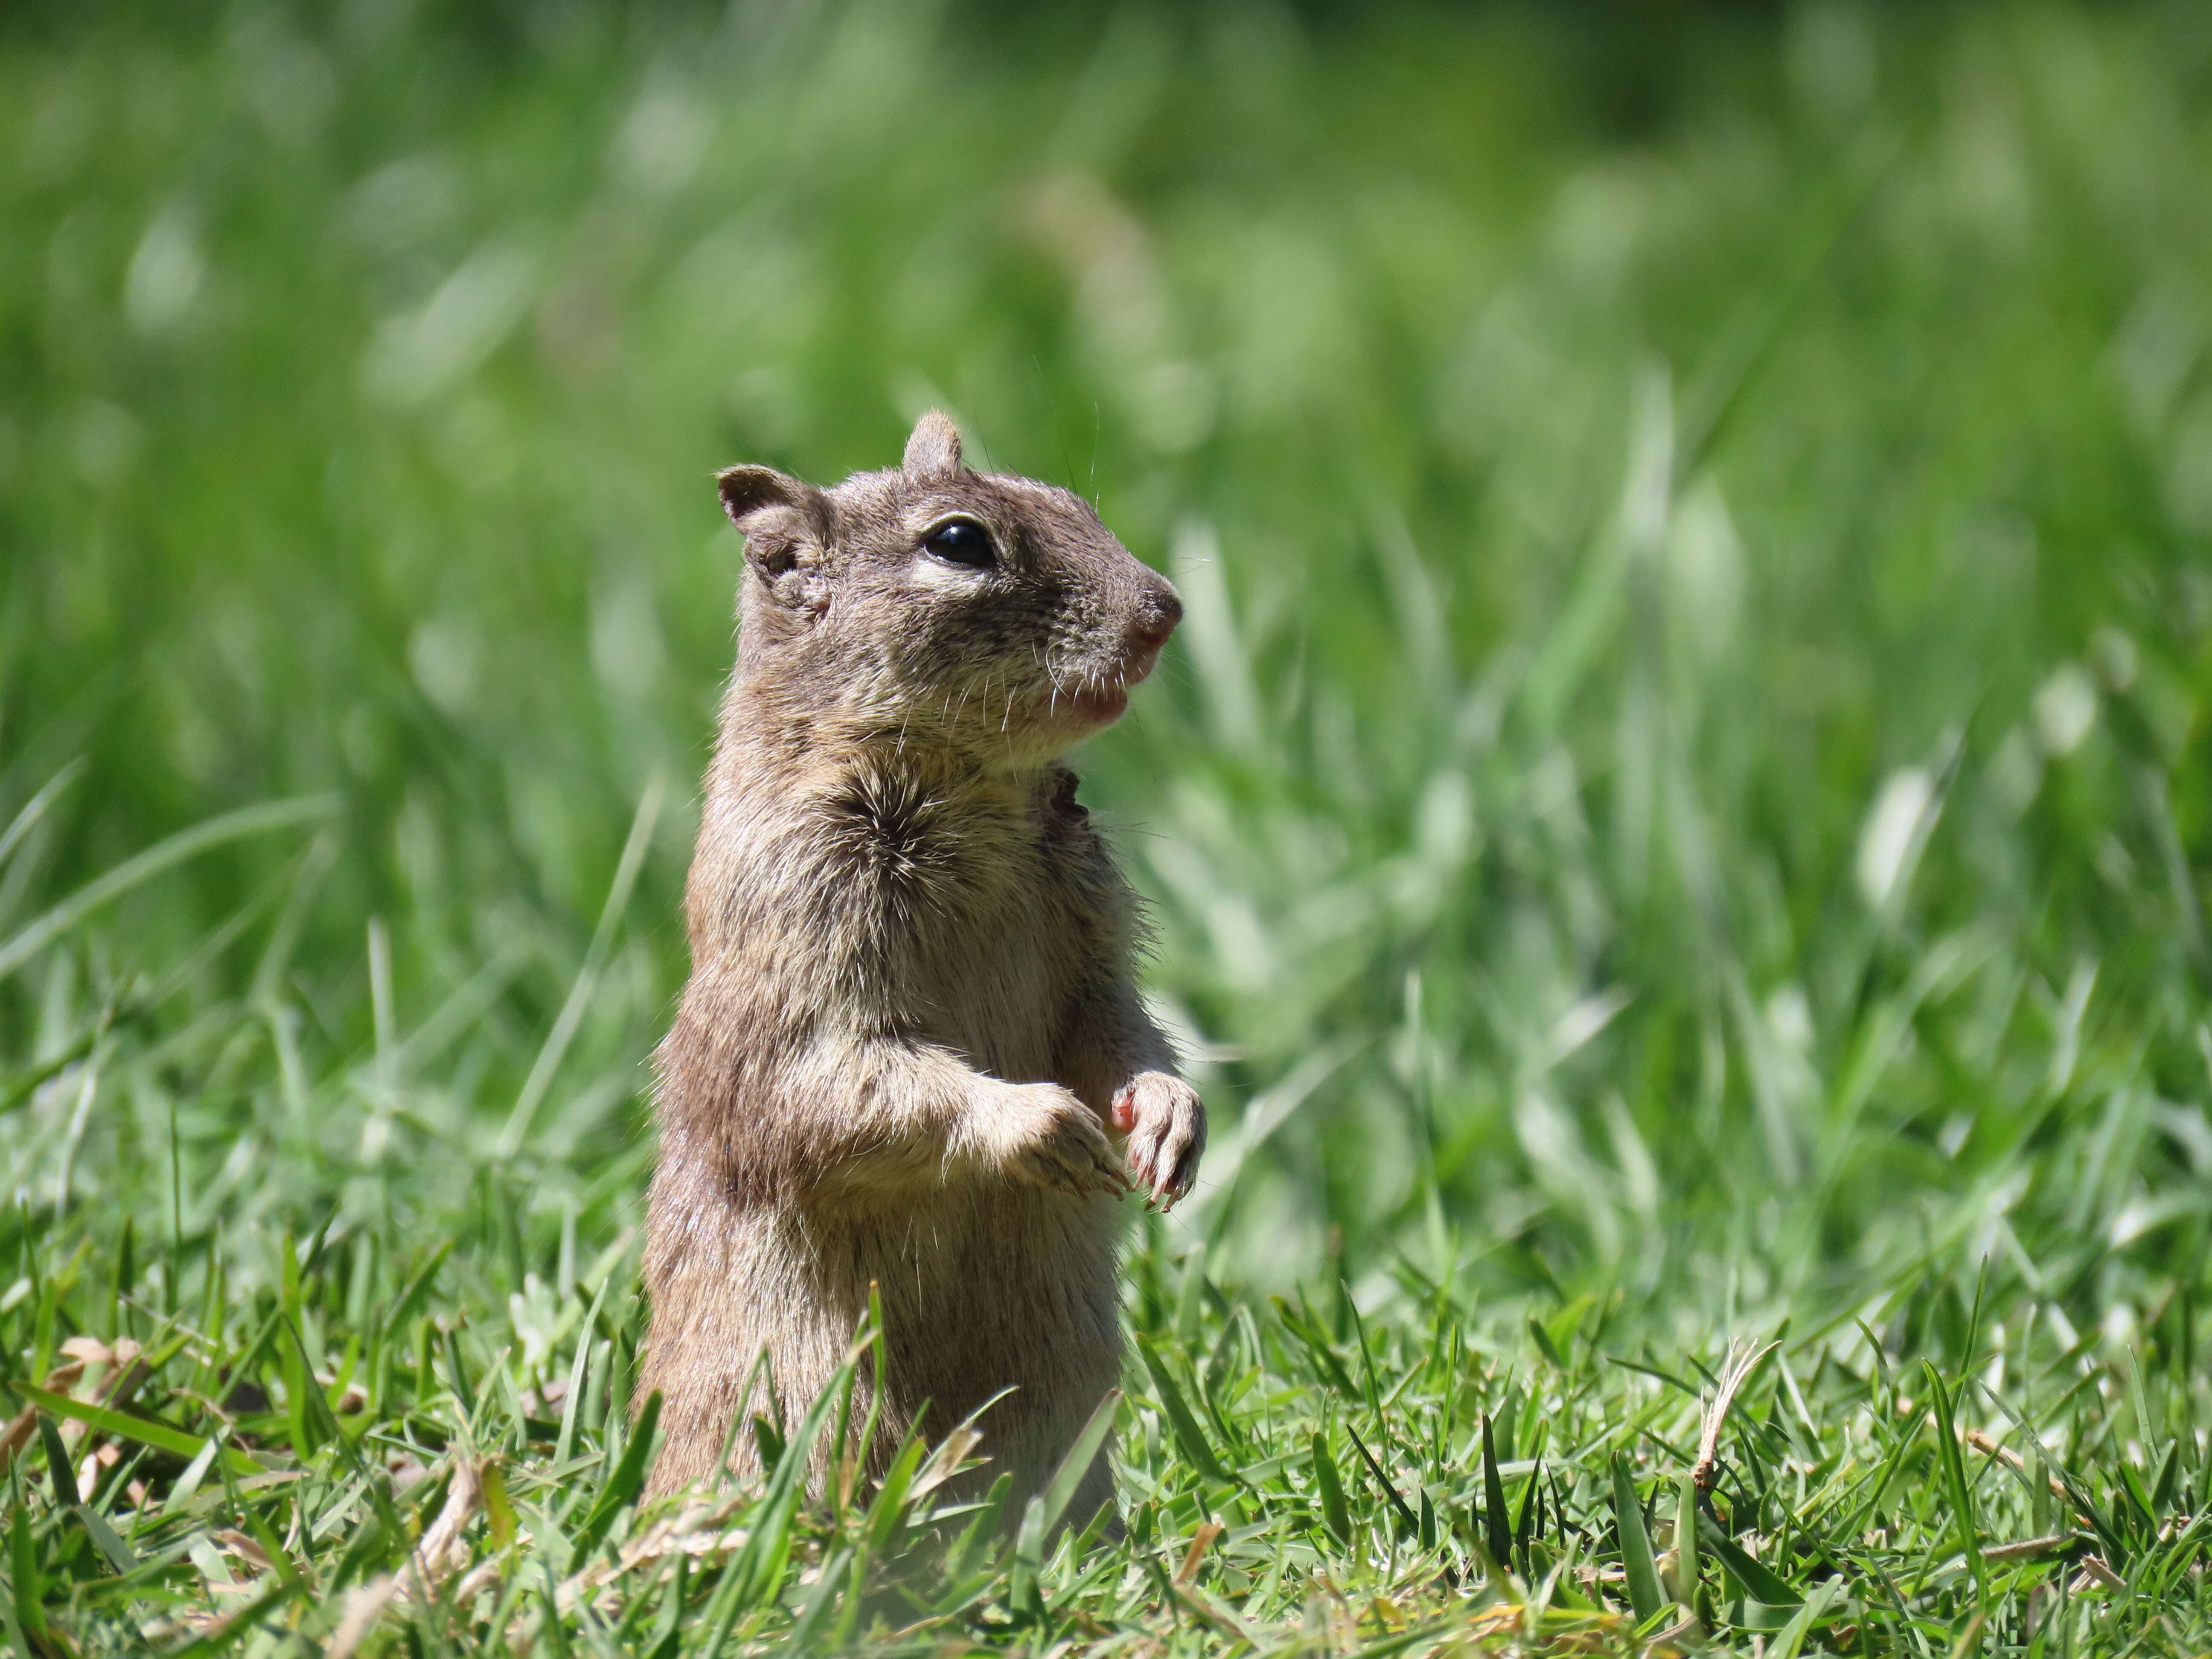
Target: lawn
x,y
1677,824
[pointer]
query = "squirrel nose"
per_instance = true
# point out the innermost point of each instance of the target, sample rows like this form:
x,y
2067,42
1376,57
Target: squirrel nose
x,y
1156,619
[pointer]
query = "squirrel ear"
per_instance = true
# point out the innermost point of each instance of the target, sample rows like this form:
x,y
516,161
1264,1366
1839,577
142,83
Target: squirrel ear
x,y
786,524
746,490
934,451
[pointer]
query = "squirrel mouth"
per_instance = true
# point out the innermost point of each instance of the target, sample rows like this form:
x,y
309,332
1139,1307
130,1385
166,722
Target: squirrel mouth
x,y
1096,703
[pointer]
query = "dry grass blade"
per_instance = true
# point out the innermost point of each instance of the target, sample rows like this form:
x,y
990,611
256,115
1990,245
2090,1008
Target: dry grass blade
x,y
1194,1556
25,1424
1740,1364
2030,1549
443,1551
946,1460
364,1605
696,1533
2095,1571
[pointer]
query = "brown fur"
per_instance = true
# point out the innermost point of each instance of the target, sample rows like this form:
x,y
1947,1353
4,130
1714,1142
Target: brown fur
x,y
911,1031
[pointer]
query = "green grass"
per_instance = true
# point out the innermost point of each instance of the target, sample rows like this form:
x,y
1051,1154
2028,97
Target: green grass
x,y
1677,824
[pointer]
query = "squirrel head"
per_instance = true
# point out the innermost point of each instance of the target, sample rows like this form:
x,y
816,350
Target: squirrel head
x,y
974,611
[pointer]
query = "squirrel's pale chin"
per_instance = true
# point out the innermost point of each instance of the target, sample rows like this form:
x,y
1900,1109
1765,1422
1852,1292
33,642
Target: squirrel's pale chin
x,y
1092,708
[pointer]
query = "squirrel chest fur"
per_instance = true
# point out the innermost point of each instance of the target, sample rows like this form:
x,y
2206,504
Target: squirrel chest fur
x,y
911,1054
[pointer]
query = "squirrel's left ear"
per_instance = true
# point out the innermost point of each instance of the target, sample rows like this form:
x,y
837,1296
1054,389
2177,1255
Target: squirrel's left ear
x,y
933,450
787,525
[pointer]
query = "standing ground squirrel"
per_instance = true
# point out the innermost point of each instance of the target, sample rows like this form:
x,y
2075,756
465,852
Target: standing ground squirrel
x,y
912,1035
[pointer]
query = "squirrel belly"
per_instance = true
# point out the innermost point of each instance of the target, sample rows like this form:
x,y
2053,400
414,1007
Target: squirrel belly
x,y
798,1165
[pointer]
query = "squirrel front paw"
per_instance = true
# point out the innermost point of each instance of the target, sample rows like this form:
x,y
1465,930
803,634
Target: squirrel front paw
x,y
1165,1121
1044,1135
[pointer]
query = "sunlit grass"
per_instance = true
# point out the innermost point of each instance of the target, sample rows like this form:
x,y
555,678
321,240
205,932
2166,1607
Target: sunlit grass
x,y
1675,824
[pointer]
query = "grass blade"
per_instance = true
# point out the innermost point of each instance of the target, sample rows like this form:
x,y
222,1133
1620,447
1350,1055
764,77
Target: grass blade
x,y
579,1365
625,1482
1409,1524
1816,1605
1532,1509
1060,1493
1636,1559
1951,1457
888,1508
1685,1542
66,1495
34,808
1497,1520
162,1436
35,935
1759,1580
1334,1511
1188,1434
1318,1346
587,981
757,1568
1023,1597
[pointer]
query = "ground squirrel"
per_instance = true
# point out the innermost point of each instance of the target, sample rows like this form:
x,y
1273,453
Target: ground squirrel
x,y
911,1043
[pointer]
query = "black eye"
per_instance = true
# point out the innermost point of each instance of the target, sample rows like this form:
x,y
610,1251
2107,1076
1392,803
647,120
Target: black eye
x,y
962,542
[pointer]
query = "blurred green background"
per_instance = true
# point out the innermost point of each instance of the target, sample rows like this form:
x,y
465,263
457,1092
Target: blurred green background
x,y
1685,770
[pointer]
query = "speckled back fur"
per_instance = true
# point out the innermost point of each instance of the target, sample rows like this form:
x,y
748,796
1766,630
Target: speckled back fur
x,y
910,1052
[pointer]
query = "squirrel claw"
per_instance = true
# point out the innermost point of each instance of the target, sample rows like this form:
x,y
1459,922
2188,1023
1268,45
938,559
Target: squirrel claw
x,y
1166,1123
